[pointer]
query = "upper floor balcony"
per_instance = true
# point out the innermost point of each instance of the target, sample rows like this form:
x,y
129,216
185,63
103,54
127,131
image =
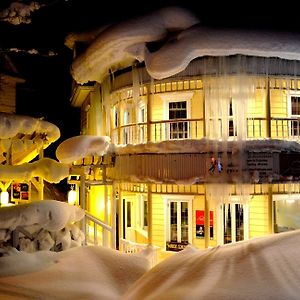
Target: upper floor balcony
x,y
179,129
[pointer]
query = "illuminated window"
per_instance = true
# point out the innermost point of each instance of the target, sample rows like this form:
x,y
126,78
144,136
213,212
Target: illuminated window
x,y
286,212
295,115
231,126
142,212
116,117
178,129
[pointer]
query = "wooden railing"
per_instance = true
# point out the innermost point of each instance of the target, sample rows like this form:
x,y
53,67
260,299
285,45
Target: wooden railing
x,y
98,232
156,131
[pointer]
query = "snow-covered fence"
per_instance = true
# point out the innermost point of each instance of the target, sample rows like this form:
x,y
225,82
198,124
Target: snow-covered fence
x,y
127,246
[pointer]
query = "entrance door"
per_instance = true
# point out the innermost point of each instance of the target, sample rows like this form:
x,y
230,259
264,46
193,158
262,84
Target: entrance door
x,y
178,224
233,225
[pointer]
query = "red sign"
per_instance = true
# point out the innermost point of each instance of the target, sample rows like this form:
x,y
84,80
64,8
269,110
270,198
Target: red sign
x,y
200,218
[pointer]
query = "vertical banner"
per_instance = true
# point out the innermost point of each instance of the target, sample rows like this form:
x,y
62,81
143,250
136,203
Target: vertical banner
x,y
200,224
211,225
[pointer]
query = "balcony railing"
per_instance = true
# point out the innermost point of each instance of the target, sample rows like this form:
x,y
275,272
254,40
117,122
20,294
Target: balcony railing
x,y
157,131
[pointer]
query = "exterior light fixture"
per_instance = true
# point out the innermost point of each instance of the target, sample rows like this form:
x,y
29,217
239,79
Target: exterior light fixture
x,y
72,196
4,198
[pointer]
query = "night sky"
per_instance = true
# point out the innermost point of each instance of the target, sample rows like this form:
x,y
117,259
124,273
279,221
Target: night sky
x,y
47,90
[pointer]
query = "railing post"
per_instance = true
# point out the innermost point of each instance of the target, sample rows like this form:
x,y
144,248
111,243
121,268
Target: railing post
x,y
83,203
268,109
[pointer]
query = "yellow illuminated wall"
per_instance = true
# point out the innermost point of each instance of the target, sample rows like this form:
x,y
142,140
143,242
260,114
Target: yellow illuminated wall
x,y
258,216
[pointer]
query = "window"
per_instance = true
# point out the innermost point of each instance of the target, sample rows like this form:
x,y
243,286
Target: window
x,y
231,125
116,117
286,211
178,129
126,132
178,224
142,125
295,115
142,212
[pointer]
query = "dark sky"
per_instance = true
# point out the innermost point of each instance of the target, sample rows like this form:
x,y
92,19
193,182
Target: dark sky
x,y
46,92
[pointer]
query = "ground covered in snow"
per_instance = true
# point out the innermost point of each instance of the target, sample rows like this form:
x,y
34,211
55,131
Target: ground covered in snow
x,y
261,268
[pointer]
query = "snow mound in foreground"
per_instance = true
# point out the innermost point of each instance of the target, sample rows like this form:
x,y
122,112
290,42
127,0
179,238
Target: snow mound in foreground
x,y
261,268
88,272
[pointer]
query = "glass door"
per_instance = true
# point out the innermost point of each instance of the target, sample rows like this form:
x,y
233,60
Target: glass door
x,y
235,226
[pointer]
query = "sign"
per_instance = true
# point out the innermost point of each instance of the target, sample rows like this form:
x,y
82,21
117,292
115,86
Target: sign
x,y
175,246
200,224
211,225
20,191
261,165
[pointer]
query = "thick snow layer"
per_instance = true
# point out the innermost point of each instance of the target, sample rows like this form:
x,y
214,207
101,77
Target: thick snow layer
x,y
48,214
82,146
119,45
261,268
198,41
46,168
89,272
11,125
206,145
78,147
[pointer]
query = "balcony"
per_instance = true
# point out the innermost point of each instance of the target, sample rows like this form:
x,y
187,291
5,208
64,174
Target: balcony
x,y
179,129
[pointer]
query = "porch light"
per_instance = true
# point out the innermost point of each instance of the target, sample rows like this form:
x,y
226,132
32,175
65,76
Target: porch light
x,y
4,198
72,196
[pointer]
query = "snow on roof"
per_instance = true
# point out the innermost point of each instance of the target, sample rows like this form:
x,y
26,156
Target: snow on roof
x,y
119,45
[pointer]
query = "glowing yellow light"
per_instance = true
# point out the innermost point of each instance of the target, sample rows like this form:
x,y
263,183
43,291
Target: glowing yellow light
x,y
4,198
72,197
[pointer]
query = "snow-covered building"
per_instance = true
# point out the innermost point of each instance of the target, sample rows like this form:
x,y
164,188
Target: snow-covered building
x,y
23,139
203,125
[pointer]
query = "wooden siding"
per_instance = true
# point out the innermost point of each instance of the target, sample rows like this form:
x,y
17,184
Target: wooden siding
x,y
258,216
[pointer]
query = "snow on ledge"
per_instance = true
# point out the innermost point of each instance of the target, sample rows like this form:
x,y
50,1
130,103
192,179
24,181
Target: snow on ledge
x,y
46,168
50,214
78,147
11,125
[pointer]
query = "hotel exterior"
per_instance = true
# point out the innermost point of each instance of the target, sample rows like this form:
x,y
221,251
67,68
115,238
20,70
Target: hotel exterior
x,y
207,156
212,158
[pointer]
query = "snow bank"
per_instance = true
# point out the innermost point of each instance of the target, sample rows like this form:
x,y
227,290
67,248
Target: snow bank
x,y
89,272
261,268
